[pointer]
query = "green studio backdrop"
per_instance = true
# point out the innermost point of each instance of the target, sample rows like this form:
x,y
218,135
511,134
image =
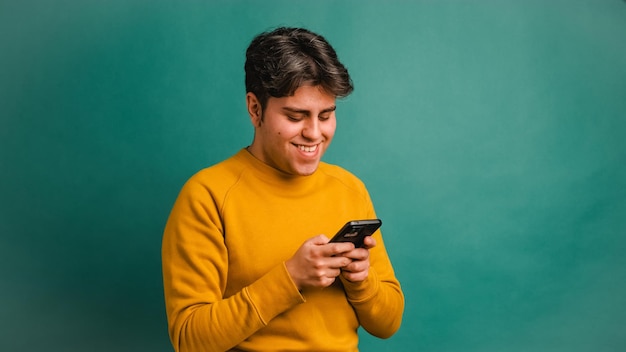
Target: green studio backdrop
x,y
491,135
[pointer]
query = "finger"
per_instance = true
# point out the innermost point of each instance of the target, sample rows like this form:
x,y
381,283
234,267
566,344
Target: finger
x,y
356,266
338,262
369,242
357,254
355,276
333,249
319,240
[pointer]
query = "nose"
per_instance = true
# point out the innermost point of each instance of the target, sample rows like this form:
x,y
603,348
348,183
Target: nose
x,y
312,129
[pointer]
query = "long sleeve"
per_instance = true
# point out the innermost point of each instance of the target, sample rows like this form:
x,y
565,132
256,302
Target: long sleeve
x,y
195,267
378,300
226,286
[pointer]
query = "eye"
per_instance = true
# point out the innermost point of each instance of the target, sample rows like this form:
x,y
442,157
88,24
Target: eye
x,y
323,117
294,118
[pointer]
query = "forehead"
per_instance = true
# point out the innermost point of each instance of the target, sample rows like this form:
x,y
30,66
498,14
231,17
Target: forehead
x,y
308,98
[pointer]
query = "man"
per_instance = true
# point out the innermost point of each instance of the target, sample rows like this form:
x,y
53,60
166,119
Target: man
x,y
247,263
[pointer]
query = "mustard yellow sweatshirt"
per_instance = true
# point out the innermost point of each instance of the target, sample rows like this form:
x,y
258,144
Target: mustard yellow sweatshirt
x,y
225,243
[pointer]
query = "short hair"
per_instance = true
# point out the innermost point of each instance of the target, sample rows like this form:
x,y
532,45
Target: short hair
x,y
282,60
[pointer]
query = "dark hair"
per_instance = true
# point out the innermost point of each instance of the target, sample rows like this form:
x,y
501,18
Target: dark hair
x,y
280,61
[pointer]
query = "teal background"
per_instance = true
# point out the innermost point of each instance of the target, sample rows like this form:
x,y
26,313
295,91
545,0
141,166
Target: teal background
x,y
491,135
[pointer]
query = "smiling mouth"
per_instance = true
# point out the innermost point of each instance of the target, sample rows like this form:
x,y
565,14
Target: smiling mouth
x,y
308,148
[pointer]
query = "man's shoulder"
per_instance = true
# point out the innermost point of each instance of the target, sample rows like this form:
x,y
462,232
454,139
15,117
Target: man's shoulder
x,y
221,174
341,175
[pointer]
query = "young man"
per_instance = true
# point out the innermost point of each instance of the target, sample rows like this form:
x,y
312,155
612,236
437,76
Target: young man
x,y
247,263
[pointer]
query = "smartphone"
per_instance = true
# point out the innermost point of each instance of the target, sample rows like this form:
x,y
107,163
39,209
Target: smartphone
x,y
355,231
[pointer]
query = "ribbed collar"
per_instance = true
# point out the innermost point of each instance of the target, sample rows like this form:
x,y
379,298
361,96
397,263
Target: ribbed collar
x,y
289,184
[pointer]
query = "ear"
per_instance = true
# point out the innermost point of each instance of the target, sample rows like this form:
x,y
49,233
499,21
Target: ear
x,y
254,109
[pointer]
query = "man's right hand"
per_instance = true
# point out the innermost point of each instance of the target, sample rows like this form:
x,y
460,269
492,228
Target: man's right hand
x,y
317,263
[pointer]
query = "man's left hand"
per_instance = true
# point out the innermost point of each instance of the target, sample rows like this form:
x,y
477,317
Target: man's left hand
x,y
358,269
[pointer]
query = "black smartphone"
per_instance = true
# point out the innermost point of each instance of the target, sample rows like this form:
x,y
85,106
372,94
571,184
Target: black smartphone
x,y
355,231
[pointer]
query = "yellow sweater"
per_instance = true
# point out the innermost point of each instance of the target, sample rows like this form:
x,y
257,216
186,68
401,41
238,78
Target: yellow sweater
x,y
224,246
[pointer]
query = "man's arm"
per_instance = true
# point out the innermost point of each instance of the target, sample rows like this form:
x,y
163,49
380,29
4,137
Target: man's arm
x,y
195,272
195,269
373,289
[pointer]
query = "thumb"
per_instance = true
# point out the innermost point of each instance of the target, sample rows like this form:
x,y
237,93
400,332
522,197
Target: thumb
x,y
320,239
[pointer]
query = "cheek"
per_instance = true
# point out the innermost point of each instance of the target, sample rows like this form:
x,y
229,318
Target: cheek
x,y
288,131
329,130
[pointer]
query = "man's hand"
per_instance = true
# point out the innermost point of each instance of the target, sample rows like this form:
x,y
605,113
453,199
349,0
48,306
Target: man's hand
x,y
359,267
317,263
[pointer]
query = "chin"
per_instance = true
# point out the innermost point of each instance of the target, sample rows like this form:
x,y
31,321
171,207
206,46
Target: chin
x,y
306,171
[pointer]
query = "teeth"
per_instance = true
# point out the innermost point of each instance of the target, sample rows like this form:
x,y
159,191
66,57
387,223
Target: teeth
x,y
308,149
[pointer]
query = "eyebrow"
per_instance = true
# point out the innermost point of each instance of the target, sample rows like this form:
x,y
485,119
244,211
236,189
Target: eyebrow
x,y
308,112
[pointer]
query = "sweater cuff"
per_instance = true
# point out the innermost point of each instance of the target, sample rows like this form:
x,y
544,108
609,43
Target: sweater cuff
x,y
362,291
274,293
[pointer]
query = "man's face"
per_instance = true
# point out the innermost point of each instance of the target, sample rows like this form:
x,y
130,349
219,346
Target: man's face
x,y
294,131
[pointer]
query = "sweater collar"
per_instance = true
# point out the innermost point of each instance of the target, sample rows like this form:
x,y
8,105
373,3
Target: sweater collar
x,y
277,177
